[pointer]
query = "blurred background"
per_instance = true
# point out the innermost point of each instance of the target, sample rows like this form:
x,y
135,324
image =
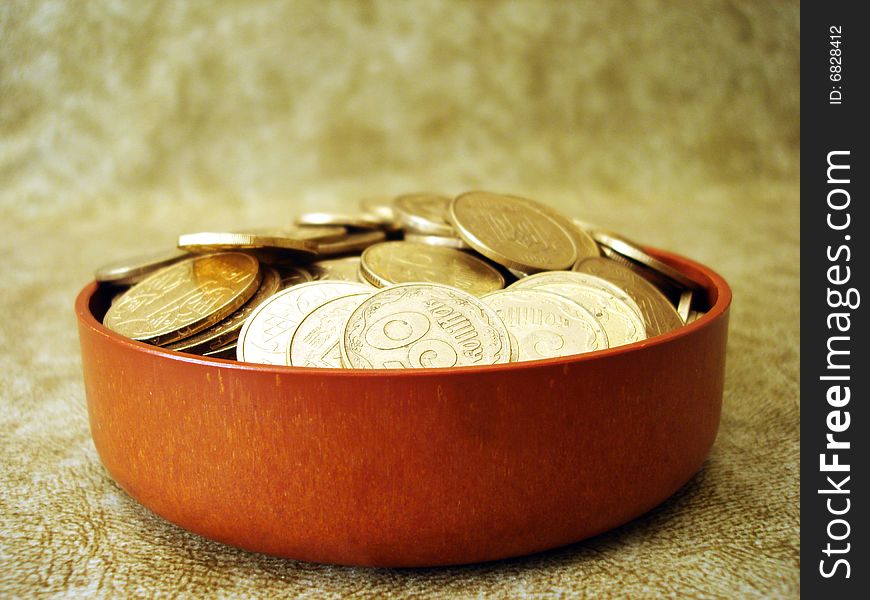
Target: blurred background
x,y
123,124
289,101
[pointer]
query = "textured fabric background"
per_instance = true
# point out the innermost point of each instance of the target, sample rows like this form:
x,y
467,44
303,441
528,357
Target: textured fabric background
x,y
125,123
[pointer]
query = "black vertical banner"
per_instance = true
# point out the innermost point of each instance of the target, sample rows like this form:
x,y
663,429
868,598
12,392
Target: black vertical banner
x,y
835,368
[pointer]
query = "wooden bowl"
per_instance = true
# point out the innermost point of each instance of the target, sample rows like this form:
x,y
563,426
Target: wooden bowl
x,y
406,468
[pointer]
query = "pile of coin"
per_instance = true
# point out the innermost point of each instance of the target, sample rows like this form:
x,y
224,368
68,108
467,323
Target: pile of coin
x,y
421,280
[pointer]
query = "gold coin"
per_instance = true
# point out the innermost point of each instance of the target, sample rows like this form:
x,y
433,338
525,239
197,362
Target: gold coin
x,y
352,242
545,325
632,251
666,286
514,232
337,269
269,329
577,278
437,240
227,331
684,307
694,315
315,342
312,233
359,221
586,246
207,241
185,298
659,315
422,325
405,262
424,213
621,321
135,269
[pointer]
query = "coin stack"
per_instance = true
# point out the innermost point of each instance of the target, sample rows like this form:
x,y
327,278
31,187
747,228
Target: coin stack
x,y
421,280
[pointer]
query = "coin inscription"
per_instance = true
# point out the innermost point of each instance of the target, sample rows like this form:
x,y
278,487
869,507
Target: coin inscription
x,y
584,243
185,298
423,325
576,278
315,342
659,315
544,325
269,329
514,232
621,320
227,331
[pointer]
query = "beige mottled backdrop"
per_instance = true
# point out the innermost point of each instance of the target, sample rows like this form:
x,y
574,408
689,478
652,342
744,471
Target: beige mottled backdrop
x,y
125,123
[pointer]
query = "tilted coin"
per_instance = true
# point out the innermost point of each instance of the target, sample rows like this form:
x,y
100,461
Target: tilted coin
x,y
659,315
208,241
135,269
359,221
185,298
634,252
337,269
622,323
315,342
437,240
268,330
227,331
424,213
352,242
312,233
694,316
514,232
665,285
414,325
405,262
684,306
544,325
577,278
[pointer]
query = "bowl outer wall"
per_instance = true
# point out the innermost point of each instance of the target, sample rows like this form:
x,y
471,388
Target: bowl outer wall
x,y
407,468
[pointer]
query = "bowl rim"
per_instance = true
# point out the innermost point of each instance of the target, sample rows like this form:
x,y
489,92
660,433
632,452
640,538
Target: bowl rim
x,y
716,283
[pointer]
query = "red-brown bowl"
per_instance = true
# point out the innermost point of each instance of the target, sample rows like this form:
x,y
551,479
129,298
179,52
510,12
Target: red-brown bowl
x,y
406,468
